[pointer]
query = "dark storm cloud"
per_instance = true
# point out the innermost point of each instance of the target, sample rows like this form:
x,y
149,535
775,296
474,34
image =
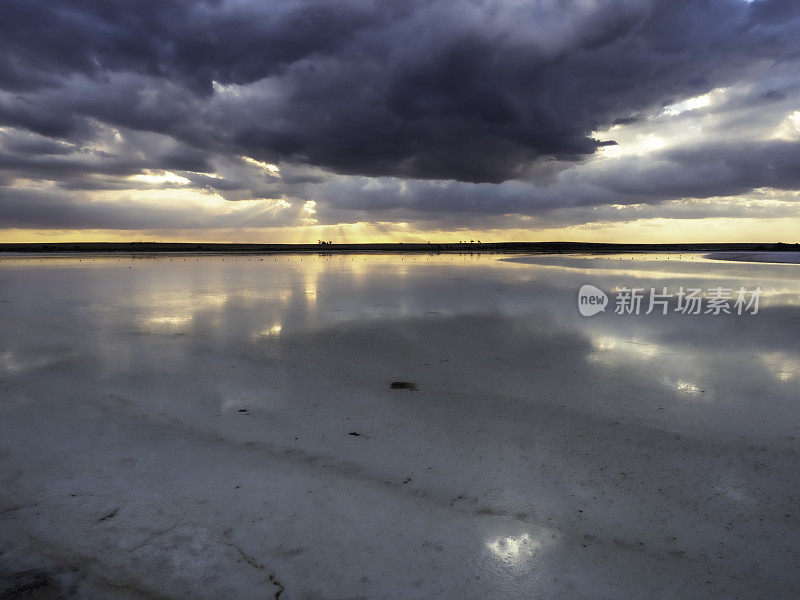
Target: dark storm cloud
x,y
703,172
194,41
453,89
708,170
477,97
60,163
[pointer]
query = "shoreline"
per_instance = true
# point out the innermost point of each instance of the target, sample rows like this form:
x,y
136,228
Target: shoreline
x,y
424,248
780,258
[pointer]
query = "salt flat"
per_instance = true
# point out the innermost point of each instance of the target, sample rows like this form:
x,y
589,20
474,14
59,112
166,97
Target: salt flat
x,y
224,427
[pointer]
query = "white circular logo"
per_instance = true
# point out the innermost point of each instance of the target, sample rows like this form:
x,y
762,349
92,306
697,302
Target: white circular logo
x,y
591,300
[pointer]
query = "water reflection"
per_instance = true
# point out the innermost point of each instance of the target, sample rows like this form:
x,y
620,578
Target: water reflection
x,y
273,331
513,550
785,366
683,386
610,349
613,427
168,320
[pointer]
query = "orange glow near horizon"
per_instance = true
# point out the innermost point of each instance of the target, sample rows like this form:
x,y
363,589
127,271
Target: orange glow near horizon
x,y
643,231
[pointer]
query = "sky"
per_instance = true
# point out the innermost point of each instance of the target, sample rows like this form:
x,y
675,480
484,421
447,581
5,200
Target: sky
x,y
400,120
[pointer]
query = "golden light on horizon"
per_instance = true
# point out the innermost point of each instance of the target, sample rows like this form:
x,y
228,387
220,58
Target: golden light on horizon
x,y
637,231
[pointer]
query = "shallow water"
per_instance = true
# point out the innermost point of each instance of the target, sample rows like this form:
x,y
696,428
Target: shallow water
x,y
224,426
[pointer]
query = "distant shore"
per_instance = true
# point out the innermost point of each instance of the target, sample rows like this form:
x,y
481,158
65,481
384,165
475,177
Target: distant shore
x,y
784,257
496,247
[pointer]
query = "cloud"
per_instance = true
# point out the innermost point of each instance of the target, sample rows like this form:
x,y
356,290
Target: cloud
x,y
172,209
457,110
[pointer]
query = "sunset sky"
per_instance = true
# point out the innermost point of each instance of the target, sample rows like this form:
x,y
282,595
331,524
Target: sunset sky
x,y
400,120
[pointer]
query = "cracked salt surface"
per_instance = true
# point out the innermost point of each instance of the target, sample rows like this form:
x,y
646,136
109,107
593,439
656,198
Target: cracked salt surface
x,y
204,429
